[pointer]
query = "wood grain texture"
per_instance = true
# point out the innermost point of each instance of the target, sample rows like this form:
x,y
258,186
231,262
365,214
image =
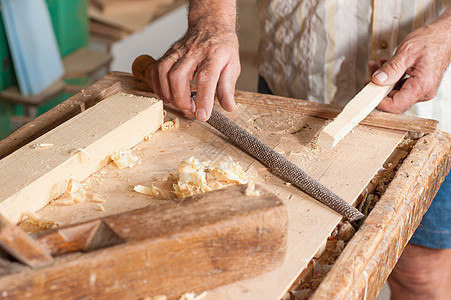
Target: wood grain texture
x,y
330,111
288,133
354,112
37,175
23,248
372,253
289,129
196,244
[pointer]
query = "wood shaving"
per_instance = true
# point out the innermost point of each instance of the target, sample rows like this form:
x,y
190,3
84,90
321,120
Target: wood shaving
x,y
83,154
125,158
151,191
100,207
196,177
75,191
97,199
192,296
169,125
63,202
41,222
42,145
251,191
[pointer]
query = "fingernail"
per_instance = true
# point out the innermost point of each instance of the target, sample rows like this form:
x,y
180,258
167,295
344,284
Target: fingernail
x,y
381,76
187,112
201,114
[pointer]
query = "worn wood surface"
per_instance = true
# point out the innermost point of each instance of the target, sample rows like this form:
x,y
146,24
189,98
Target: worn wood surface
x,y
290,129
23,248
36,174
199,243
370,256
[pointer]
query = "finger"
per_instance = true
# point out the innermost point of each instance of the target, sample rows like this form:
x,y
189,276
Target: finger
x,y
403,99
226,86
156,83
206,81
373,66
391,71
179,80
390,105
382,61
164,66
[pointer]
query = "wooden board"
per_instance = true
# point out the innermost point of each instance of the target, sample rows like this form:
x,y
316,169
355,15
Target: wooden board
x,y
194,244
39,174
290,134
131,17
289,129
84,62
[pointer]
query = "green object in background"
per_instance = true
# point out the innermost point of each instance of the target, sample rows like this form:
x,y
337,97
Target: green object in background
x,y
5,120
71,24
8,77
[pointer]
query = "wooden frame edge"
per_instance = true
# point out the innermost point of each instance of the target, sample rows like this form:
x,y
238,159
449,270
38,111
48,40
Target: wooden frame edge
x,y
402,206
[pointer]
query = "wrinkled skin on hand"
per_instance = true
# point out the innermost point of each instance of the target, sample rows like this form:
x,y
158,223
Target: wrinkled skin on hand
x,y
208,52
424,55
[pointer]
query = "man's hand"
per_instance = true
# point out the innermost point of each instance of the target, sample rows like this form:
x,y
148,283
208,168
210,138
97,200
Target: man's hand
x,y
424,55
209,52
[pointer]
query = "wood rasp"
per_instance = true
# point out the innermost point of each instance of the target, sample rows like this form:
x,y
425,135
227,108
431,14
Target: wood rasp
x,y
141,69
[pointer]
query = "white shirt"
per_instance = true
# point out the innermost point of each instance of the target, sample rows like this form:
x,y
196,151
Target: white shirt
x,y
318,50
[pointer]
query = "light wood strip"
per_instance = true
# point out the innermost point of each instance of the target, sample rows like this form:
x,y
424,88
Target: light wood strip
x,y
37,172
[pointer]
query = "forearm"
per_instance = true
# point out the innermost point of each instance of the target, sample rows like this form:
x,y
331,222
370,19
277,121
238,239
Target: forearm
x,y
217,13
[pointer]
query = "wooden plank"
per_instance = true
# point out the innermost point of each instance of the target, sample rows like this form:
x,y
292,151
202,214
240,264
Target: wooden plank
x,y
59,114
84,62
13,94
290,134
389,227
329,111
193,244
39,175
23,248
354,112
130,17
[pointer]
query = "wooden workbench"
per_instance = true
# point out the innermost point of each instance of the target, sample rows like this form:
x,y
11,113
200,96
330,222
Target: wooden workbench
x,y
371,254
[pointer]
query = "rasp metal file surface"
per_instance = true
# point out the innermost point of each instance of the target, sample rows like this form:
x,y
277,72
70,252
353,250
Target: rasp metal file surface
x,y
275,161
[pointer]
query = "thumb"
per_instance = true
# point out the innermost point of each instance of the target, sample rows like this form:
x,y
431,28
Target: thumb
x,y
391,71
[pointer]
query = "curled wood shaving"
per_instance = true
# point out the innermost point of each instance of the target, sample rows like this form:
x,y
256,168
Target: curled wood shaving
x,y
251,191
196,177
125,158
192,296
83,154
75,191
152,191
41,222
168,125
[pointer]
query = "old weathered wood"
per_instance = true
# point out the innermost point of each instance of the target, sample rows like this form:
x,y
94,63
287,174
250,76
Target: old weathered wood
x,y
354,112
329,111
195,244
119,81
289,129
372,253
19,245
38,175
